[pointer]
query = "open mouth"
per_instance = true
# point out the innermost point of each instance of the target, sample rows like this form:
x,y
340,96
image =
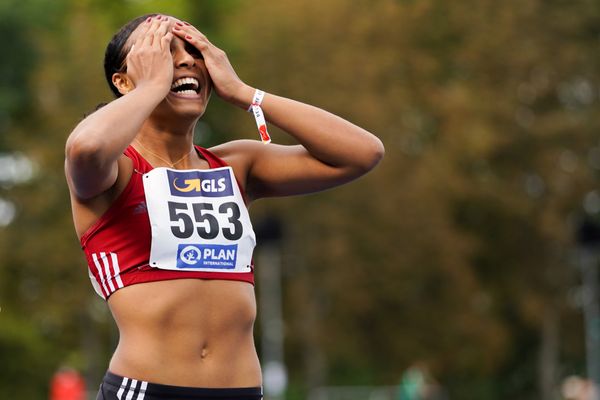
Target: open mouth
x,y
186,86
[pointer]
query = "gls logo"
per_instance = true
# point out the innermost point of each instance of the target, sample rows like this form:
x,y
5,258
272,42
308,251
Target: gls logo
x,y
197,185
200,183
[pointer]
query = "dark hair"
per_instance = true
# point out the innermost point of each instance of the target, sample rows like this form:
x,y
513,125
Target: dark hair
x,y
114,57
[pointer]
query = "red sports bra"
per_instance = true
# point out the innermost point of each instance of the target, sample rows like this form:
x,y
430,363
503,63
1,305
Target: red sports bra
x,y
117,246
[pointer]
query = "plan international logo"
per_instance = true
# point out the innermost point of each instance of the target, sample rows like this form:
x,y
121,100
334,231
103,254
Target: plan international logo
x,y
206,256
200,183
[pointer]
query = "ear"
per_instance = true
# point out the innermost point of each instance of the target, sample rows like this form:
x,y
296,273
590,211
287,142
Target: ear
x,y
122,82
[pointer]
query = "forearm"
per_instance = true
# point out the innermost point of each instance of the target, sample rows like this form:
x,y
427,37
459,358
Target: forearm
x,y
327,137
107,132
96,144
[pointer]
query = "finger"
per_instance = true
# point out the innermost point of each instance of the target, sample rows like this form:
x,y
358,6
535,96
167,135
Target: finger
x,y
184,24
149,36
165,41
127,58
190,26
144,27
196,39
200,43
178,29
187,29
143,30
158,22
162,30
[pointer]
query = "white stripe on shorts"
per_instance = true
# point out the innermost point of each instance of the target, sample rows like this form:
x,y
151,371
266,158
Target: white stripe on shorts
x,y
131,391
122,388
142,392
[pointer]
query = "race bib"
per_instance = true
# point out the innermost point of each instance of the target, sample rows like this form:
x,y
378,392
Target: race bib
x,y
199,221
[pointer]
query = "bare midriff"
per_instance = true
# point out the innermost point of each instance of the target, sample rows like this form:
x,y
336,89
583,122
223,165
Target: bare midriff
x,y
187,332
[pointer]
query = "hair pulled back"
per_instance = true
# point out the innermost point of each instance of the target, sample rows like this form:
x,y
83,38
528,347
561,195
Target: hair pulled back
x,y
114,57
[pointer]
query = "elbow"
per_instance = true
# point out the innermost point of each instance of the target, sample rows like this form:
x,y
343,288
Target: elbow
x,y
82,153
378,151
373,153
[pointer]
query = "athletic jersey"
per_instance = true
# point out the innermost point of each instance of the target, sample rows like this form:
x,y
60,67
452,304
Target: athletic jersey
x,y
172,224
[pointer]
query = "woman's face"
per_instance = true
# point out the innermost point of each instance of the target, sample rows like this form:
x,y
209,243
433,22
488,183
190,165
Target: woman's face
x,y
191,84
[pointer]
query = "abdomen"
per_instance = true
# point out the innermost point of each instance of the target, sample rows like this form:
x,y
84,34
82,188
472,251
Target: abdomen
x,y
187,332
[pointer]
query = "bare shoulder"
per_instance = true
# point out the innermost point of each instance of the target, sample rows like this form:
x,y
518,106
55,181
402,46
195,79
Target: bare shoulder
x,y
244,155
243,148
240,154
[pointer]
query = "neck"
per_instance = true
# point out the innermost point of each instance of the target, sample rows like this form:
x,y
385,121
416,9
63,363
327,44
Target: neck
x,y
164,145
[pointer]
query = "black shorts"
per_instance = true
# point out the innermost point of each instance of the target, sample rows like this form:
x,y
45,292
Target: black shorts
x,y
115,387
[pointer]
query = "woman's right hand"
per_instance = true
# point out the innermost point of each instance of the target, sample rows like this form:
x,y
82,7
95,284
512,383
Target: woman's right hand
x,y
149,61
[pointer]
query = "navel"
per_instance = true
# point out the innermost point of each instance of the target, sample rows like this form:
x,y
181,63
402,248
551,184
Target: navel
x,y
204,352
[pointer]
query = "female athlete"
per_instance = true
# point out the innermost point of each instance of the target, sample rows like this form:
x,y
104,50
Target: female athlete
x,y
164,224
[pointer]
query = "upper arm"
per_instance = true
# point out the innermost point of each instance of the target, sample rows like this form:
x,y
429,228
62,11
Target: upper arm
x,y
278,170
292,170
88,174
87,210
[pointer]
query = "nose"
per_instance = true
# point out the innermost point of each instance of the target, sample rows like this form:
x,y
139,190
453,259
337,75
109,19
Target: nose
x,y
183,59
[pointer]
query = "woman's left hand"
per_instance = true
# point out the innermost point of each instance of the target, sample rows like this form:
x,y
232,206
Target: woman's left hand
x,y
226,83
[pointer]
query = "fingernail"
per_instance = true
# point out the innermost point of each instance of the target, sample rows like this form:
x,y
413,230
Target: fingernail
x,y
176,28
188,37
186,23
178,23
149,19
158,17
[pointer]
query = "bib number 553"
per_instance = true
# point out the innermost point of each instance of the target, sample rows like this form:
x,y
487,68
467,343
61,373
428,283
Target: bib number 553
x,y
203,217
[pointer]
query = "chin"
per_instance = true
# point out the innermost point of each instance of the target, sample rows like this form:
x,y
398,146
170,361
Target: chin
x,y
177,114
185,106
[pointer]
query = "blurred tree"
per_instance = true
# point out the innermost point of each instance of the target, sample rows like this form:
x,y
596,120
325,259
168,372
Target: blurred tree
x,y
25,350
455,251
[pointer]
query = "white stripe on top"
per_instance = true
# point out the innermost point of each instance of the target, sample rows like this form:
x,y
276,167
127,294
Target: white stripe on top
x,y
95,284
115,263
106,274
107,270
100,274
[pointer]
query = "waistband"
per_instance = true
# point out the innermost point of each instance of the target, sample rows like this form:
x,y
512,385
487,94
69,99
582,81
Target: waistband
x,y
127,388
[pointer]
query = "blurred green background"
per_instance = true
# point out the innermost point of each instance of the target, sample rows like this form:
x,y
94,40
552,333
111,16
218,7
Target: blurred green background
x,y
458,252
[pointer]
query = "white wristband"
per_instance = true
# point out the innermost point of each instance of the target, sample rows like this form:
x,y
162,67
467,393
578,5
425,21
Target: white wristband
x,y
259,95
261,123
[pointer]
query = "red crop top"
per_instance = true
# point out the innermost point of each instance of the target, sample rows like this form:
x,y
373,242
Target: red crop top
x,y
117,246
